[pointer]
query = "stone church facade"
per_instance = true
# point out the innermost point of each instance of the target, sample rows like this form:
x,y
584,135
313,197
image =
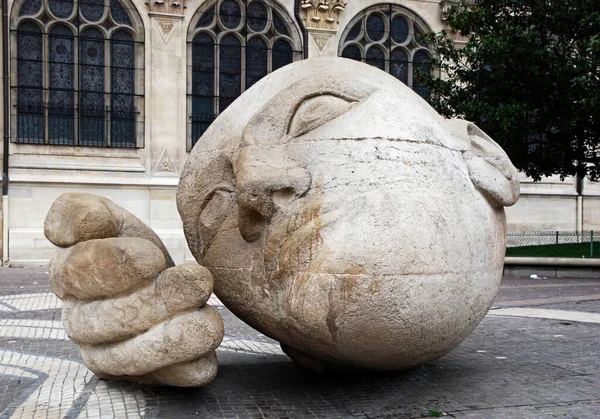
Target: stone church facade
x,y
109,97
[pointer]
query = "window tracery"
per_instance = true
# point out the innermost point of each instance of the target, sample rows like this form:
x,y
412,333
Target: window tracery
x,y
231,45
78,87
390,38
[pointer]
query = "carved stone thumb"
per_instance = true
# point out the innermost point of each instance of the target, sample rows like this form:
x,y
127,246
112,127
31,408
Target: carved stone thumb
x,y
79,217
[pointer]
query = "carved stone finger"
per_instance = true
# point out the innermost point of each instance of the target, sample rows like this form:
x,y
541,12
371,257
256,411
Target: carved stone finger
x,y
176,290
195,373
183,338
104,268
79,217
198,372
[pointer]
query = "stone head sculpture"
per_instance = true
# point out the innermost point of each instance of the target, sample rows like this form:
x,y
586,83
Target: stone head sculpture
x,y
342,216
337,212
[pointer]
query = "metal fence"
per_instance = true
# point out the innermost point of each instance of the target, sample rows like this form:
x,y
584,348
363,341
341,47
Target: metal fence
x,y
553,244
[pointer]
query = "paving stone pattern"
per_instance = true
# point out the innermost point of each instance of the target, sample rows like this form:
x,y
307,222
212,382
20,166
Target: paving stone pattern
x,y
514,365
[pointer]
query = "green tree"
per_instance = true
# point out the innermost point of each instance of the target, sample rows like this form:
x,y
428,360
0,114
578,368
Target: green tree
x,y
528,75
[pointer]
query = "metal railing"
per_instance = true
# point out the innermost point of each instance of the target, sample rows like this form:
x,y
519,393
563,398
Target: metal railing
x,y
99,127
553,244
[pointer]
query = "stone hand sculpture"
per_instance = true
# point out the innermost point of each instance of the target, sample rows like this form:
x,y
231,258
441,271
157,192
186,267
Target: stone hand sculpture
x,y
338,214
134,314
343,217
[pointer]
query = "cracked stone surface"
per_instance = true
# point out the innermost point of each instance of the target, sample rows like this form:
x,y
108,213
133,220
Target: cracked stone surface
x,y
343,217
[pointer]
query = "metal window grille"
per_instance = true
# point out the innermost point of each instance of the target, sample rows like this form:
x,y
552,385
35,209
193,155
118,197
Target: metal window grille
x,y
232,44
77,71
390,38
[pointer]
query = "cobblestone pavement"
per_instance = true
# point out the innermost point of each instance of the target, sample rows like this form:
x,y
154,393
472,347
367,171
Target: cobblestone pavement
x,y
536,355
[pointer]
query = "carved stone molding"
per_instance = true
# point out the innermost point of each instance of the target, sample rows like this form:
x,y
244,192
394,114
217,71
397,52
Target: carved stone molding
x,y
169,7
321,40
165,164
446,5
322,14
166,27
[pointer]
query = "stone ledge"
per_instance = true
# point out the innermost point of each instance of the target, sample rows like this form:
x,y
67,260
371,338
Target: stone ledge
x,y
567,262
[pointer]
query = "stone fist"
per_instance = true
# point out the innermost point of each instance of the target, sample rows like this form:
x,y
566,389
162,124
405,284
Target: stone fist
x,y
134,314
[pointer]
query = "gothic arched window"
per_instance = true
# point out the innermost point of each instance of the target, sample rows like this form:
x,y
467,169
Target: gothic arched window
x,y
389,37
78,73
231,45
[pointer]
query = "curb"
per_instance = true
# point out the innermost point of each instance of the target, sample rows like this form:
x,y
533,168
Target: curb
x,y
562,262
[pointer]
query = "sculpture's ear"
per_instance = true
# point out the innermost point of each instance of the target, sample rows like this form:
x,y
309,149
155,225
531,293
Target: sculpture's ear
x,y
490,169
209,194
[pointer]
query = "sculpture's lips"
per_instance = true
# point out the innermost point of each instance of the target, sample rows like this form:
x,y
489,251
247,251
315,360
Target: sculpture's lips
x,y
296,241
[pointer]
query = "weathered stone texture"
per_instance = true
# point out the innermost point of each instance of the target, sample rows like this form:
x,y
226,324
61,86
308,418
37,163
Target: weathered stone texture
x,y
338,213
355,225
136,316
176,289
186,337
104,268
79,217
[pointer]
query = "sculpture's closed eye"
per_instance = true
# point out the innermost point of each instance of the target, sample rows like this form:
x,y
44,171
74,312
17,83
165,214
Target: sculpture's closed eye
x,y
316,111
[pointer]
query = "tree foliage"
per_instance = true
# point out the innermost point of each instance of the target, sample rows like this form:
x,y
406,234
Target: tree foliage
x,y
528,75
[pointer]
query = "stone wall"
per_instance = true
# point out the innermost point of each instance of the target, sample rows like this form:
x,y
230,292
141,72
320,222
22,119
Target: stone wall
x,y
155,205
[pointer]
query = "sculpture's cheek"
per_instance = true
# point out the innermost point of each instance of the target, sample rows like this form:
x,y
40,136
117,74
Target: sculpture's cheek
x,y
400,264
413,317
344,303
296,244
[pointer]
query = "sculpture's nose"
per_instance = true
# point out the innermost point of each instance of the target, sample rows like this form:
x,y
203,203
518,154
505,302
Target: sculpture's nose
x,y
266,181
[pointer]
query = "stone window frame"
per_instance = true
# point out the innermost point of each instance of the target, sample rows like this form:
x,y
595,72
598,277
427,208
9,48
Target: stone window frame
x,y
294,38
45,20
410,46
